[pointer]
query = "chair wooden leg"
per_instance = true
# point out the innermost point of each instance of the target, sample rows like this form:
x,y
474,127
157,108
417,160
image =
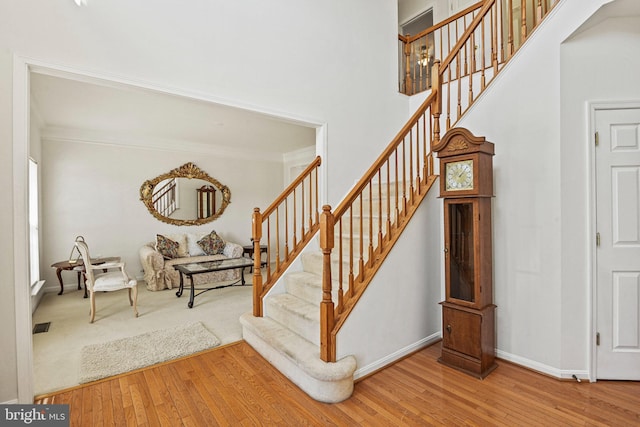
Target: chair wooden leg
x,y
92,297
134,302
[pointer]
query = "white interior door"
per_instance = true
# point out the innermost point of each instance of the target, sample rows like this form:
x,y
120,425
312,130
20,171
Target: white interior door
x,y
618,253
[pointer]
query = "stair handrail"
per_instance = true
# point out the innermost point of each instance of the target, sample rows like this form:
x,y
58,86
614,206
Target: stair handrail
x,y
164,198
279,254
405,166
504,38
483,50
332,315
464,12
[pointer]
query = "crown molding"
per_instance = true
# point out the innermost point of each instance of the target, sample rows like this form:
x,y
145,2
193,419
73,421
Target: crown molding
x,y
84,136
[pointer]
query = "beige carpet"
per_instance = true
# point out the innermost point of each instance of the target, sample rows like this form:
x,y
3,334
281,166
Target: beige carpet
x,y
56,353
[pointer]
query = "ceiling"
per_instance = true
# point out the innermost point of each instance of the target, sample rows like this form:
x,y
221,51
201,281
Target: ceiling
x,y
124,113
131,113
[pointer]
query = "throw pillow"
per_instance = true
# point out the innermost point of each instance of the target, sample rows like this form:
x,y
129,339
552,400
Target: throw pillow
x,y
167,247
194,247
181,239
212,244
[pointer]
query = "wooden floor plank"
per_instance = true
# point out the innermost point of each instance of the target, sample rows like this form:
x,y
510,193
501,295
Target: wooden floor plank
x,y
234,385
116,403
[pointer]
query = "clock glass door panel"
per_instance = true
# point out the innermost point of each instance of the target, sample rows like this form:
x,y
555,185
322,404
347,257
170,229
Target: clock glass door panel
x,y
461,252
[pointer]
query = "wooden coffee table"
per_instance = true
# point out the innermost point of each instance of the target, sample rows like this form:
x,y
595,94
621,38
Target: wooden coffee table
x,y
191,269
70,266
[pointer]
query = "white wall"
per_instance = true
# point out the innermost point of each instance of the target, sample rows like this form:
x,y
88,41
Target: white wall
x,y
597,65
8,380
399,312
331,61
93,190
409,9
540,241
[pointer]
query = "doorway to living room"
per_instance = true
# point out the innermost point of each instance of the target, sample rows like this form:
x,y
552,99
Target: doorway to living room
x,y
25,72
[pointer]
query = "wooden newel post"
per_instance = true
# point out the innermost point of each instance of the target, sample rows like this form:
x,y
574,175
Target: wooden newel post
x,y
327,342
408,82
256,235
436,107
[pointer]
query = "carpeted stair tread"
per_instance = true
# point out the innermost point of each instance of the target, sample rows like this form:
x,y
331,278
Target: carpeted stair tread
x,y
300,316
312,263
308,286
301,352
296,306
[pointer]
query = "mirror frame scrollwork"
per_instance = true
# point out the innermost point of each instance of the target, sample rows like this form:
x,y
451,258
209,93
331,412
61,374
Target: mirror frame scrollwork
x,y
190,171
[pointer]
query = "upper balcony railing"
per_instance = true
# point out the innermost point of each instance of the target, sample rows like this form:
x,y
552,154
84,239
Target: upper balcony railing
x,y
496,35
419,51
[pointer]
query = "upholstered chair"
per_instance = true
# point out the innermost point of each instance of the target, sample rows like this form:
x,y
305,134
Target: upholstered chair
x,y
98,281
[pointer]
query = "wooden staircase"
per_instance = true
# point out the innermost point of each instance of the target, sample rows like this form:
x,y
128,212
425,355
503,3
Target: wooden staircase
x,y
354,239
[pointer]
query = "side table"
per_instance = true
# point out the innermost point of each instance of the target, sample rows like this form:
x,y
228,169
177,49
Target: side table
x,y
78,266
249,250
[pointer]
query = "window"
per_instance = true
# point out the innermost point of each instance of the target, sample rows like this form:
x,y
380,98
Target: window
x,y
34,246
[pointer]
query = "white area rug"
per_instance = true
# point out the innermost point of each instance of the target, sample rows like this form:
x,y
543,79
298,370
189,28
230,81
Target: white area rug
x,y
126,354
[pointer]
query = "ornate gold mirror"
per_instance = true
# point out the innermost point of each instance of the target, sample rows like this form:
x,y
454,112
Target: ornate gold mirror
x,y
185,196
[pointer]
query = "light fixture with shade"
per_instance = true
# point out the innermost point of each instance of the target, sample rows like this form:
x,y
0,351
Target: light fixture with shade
x,y
425,56
81,2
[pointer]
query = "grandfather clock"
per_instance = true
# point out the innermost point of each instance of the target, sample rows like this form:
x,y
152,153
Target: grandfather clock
x,y
468,312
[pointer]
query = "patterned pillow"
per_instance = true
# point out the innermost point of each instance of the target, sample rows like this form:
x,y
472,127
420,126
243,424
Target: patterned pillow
x,y
167,247
212,244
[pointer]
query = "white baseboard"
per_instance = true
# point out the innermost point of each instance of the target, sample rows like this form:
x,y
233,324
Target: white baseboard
x,y
518,360
68,287
542,368
387,360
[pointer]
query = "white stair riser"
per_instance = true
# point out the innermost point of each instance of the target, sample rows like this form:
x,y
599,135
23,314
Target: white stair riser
x,y
307,328
313,265
310,290
299,360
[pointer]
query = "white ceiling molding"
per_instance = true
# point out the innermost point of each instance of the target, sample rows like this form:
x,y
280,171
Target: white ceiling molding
x,y
150,143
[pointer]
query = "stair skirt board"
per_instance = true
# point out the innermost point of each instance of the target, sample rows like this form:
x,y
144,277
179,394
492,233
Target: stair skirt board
x,y
299,360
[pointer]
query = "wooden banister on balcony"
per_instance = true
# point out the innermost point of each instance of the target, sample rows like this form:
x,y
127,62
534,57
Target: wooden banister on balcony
x,y
285,227
420,50
484,36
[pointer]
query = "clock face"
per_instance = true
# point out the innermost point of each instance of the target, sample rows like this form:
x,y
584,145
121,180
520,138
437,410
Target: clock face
x,y
459,175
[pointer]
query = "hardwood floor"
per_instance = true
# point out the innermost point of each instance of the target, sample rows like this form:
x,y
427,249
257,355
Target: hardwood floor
x,y
234,385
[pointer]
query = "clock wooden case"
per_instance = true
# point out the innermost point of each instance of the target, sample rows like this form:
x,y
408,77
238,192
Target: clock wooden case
x,y
468,312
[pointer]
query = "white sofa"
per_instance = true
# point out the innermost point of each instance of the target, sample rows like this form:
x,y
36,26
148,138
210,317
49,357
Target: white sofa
x,y
160,274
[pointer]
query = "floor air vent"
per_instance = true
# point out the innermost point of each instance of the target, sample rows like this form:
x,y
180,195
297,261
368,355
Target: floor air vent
x,y
41,327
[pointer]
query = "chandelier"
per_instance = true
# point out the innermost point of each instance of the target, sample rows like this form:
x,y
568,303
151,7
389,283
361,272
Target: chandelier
x,y
425,55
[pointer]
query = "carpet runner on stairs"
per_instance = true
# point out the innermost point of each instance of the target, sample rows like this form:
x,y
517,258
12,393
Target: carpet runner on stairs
x,y
288,336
